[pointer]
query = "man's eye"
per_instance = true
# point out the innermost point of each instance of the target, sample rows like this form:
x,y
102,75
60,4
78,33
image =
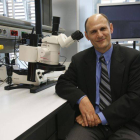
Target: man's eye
x,y
102,29
93,32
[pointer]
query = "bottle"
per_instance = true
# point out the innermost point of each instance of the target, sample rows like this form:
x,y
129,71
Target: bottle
x,y
1,47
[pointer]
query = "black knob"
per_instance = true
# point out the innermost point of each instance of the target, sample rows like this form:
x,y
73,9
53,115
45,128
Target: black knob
x,y
77,35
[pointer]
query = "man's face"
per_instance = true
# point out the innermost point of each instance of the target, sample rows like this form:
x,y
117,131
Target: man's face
x,y
99,33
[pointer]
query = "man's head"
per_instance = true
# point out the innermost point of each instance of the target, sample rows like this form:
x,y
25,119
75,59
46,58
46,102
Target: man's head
x,y
98,31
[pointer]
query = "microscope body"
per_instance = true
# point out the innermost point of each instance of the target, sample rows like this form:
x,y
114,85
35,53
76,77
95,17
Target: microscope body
x,y
48,53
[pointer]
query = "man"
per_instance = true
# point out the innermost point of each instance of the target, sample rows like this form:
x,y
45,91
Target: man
x,y
102,84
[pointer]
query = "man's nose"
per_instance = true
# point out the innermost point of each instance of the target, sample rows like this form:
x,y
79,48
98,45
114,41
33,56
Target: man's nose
x,y
99,34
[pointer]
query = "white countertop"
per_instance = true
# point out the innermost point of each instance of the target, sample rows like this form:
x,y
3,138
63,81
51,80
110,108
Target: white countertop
x,y
20,109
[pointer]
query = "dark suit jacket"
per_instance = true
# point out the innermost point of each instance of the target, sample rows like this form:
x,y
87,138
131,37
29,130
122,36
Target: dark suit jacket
x,y
80,79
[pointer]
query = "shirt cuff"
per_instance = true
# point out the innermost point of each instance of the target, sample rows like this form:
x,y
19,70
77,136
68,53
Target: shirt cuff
x,y
102,118
78,102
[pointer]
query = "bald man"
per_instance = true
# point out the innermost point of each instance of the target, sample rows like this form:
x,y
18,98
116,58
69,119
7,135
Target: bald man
x,y
102,84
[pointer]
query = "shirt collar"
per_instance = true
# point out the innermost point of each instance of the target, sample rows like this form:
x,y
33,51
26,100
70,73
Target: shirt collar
x,y
107,54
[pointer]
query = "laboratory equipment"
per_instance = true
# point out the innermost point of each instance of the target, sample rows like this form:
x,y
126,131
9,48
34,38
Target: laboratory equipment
x,y
42,59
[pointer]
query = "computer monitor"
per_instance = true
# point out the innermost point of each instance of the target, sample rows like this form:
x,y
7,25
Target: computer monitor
x,y
125,18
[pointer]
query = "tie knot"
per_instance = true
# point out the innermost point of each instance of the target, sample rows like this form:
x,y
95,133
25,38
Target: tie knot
x,y
102,59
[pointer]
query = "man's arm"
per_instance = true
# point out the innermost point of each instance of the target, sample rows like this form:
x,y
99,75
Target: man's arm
x,y
67,88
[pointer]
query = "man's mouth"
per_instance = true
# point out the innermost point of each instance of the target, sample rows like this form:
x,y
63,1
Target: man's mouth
x,y
100,40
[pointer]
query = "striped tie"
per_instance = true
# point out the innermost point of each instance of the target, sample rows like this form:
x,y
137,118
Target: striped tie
x,y
104,88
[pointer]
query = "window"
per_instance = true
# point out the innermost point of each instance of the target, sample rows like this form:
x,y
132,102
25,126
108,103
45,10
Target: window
x,y
18,9
31,11
116,1
1,8
105,1
15,9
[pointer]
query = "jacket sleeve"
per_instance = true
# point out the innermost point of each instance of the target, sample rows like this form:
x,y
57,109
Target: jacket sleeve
x,y
67,85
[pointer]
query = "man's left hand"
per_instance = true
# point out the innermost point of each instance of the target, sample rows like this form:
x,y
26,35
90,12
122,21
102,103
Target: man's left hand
x,y
79,120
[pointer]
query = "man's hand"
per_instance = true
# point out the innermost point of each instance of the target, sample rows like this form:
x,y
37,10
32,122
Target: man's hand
x,y
88,113
79,119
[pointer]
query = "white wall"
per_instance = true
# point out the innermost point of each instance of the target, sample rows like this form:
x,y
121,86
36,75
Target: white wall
x,y
67,10
73,14
86,8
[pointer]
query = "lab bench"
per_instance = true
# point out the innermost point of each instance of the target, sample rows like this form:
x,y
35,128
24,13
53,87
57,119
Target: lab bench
x,y
39,116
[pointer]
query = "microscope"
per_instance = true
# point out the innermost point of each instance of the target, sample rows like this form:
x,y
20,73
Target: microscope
x,y
41,59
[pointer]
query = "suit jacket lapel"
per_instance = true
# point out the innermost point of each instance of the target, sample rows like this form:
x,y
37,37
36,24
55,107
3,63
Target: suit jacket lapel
x,y
116,72
90,75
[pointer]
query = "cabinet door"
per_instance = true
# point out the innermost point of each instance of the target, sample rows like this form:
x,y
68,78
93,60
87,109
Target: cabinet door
x,y
65,121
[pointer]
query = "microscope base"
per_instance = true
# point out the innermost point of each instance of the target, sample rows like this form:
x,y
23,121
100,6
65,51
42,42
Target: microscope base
x,y
33,89
36,89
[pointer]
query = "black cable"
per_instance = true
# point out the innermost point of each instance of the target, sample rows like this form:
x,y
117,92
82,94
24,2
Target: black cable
x,y
17,50
21,62
15,46
3,58
1,61
32,31
64,60
4,81
18,56
13,60
25,63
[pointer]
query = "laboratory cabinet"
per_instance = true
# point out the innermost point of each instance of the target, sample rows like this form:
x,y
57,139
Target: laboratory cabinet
x,y
55,126
28,116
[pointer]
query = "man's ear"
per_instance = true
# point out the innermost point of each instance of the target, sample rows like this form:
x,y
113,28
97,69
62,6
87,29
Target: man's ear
x,y
111,28
86,35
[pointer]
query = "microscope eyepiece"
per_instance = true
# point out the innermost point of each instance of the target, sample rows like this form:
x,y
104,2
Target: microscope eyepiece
x,y
77,35
55,28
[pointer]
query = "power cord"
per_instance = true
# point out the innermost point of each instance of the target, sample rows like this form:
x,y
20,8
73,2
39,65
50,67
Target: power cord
x,y
3,59
3,82
21,62
64,60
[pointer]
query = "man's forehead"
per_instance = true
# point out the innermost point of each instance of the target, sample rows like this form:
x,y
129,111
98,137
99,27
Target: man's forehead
x,y
96,19
97,23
